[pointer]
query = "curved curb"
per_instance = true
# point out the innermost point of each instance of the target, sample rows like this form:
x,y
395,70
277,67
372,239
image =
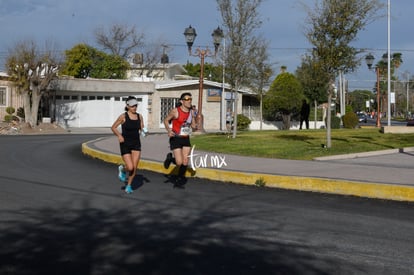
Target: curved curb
x,y
320,185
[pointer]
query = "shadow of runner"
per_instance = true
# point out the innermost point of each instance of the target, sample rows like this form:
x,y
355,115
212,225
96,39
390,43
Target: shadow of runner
x,y
138,181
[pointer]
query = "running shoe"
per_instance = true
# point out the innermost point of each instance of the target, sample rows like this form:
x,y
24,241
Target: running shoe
x,y
128,189
168,160
122,175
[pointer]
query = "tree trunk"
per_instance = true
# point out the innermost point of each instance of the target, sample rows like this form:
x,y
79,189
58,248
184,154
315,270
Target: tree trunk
x,y
235,110
27,107
286,121
315,103
31,106
328,120
261,110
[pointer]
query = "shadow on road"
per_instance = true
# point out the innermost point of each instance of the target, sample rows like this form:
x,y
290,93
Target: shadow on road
x,y
89,241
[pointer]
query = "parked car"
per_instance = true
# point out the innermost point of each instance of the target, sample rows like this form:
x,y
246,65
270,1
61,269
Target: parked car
x,y
362,118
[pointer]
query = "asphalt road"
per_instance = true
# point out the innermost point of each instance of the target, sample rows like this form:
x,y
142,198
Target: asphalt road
x,y
65,213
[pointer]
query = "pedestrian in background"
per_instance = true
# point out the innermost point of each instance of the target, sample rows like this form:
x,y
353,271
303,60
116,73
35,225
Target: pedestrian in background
x,y
304,114
229,121
131,124
194,108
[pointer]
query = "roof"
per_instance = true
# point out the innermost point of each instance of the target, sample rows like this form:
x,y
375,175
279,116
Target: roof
x,y
101,85
160,85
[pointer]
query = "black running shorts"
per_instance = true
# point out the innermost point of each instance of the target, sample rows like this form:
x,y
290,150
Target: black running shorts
x,y
179,142
127,148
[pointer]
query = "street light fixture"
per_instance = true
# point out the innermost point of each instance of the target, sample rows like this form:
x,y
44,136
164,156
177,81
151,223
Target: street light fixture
x,y
370,60
190,35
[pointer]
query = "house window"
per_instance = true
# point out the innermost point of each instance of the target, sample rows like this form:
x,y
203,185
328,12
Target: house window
x,y
3,93
166,105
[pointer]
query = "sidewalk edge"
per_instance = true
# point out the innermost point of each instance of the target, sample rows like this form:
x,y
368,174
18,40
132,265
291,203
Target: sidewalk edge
x,y
331,186
366,154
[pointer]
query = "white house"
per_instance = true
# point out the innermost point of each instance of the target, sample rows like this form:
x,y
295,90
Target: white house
x,y
74,102
98,102
95,102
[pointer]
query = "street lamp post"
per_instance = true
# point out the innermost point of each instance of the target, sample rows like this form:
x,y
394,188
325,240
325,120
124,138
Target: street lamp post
x,y
370,60
190,35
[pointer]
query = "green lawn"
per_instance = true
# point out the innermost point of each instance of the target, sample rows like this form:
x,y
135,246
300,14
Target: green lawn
x,y
301,145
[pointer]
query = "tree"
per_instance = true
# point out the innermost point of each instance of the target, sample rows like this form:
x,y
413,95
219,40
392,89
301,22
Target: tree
x,y
84,61
119,39
284,97
124,41
358,100
78,61
262,71
240,20
314,81
153,53
32,70
109,67
382,65
381,69
214,73
396,60
332,26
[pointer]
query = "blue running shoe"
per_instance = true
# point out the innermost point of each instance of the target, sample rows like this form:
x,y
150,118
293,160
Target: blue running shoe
x,y
122,175
128,189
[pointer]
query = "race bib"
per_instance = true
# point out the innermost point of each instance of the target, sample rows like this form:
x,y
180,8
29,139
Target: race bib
x,y
185,129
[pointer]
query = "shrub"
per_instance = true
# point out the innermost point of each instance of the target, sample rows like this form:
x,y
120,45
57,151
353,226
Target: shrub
x,y
10,110
243,122
348,109
350,120
10,118
260,182
335,122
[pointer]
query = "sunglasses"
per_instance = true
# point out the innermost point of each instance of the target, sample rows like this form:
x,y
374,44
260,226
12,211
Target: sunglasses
x,y
187,99
133,106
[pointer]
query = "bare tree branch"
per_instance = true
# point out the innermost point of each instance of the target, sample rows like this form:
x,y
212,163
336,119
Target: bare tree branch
x,y
32,70
119,40
240,20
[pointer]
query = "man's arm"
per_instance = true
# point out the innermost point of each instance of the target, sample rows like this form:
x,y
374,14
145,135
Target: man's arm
x,y
172,115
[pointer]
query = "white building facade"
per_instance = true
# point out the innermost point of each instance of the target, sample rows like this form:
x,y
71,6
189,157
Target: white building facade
x,y
98,102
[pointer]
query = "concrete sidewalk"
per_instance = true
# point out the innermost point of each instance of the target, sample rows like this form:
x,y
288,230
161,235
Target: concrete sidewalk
x,y
385,174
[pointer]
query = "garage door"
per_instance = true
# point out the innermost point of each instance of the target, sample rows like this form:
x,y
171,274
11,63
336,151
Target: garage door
x,y
90,111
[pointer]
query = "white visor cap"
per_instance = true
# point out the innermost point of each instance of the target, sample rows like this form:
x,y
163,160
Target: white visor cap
x,y
132,102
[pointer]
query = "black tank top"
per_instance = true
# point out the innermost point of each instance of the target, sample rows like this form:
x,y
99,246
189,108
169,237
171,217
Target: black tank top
x,y
130,128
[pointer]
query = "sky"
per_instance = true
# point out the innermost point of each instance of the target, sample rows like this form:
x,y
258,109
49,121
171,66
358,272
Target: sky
x,y
70,22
